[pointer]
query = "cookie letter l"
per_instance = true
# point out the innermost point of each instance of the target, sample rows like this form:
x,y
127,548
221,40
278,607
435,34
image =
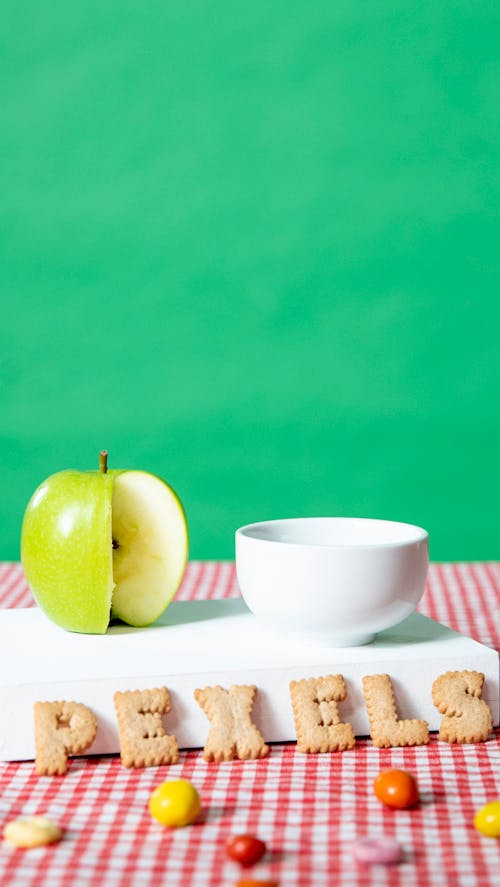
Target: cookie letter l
x,y
143,741
386,730
317,723
232,733
467,717
61,729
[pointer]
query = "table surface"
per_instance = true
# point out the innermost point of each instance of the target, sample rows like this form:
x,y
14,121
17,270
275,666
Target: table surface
x,y
308,808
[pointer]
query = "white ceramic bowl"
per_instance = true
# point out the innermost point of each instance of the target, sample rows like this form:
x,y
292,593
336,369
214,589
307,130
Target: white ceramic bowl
x,y
337,579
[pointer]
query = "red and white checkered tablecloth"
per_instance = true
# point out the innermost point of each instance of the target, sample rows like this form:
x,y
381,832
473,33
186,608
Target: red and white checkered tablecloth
x,y
308,808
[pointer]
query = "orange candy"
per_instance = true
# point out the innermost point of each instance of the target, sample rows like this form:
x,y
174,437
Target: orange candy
x,y
396,788
253,883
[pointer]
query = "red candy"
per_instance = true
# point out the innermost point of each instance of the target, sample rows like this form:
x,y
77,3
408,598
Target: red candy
x,y
245,849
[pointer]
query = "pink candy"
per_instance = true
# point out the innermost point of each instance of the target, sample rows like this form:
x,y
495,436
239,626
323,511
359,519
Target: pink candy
x,y
377,850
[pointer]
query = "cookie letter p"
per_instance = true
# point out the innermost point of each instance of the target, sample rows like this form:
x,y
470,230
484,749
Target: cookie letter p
x,y
61,729
232,733
467,717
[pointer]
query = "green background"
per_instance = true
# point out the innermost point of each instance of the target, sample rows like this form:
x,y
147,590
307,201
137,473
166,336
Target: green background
x,y
254,248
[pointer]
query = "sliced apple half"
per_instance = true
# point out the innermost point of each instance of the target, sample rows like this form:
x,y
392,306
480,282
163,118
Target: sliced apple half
x,y
150,546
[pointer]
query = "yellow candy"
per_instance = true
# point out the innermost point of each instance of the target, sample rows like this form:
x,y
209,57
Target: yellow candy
x,y
487,820
32,831
175,803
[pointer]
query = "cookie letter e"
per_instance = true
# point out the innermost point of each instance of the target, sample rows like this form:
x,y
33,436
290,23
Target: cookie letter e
x,y
143,741
317,722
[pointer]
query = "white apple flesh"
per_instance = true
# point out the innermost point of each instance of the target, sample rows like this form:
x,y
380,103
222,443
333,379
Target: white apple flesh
x,y
98,545
149,547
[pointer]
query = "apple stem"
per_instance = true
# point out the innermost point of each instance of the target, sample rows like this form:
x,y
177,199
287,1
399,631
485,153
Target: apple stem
x,y
103,461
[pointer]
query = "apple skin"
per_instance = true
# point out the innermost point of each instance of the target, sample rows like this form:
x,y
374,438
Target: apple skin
x,y
66,564
104,544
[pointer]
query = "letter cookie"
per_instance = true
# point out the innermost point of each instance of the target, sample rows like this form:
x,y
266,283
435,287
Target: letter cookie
x,y
143,741
317,723
386,730
467,717
61,729
232,733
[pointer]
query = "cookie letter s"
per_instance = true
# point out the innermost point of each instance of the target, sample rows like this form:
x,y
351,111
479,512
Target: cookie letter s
x,y
467,717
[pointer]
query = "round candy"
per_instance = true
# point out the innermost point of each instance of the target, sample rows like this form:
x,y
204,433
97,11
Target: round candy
x,y
377,850
175,803
252,883
245,849
487,820
396,788
32,831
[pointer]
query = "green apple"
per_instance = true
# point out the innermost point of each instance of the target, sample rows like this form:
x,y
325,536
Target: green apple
x,y
96,545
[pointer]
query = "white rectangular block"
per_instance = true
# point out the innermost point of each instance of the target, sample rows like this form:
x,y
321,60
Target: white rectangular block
x,y
203,643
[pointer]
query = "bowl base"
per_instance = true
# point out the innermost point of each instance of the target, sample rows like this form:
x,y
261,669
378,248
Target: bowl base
x,y
324,639
345,640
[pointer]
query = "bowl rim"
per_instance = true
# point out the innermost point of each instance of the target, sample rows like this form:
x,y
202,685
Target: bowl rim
x,y
420,534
